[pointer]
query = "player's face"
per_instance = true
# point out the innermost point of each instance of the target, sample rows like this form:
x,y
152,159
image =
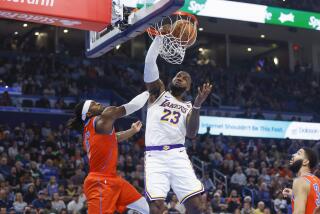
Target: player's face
x,y
299,155
182,80
298,160
96,108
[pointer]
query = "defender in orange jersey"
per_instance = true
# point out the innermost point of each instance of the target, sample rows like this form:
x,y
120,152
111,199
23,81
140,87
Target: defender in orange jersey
x,y
106,192
305,192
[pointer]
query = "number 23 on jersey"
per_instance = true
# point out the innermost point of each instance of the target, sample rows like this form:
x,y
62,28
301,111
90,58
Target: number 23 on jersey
x,y
172,117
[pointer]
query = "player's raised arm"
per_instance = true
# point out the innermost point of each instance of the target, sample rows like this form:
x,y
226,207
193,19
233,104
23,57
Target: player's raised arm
x,y
300,191
151,72
193,119
105,121
125,135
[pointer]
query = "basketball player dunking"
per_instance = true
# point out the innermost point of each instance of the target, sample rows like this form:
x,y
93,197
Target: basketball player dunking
x,y
305,192
169,121
106,192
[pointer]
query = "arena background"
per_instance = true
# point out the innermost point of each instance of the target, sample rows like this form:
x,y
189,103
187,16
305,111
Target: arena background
x,y
268,73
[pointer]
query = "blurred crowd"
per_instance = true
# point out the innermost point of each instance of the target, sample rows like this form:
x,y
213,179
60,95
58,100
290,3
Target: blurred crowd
x,y
309,5
43,167
271,89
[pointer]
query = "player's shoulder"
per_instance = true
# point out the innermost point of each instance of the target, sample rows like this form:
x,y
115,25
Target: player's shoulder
x,y
301,182
90,124
311,178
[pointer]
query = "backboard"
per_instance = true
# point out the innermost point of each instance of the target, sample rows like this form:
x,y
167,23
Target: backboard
x,y
127,24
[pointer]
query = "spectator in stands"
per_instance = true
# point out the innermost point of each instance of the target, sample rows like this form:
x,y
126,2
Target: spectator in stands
x,y
218,204
26,179
247,206
82,197
75,205
233,202
40,202
48,169
78,178
280,204
13,150
238,179
265,177
71,190
31,194
207,183
18,203
251,170
57,204
35,172
260,208
264,194
52,186
4,202
4,168
14,180
19,167
46,129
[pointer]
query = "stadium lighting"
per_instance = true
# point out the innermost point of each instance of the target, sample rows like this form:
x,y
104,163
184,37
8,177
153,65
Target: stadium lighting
x,y
118,47
249,49
262,36
65,31
16,33
25,25
201,29
36,33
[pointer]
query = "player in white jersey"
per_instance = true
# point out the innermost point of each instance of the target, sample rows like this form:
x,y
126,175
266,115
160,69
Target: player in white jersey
x,y
169,121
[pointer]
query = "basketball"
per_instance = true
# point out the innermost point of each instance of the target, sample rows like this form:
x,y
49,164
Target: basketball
x,y
185,31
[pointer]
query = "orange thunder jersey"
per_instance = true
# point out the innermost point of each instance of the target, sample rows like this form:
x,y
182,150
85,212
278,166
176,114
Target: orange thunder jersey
x,y
313,200
102,149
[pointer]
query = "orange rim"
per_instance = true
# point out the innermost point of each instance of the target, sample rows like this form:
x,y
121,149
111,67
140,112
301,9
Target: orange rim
x,y
182,13
152,31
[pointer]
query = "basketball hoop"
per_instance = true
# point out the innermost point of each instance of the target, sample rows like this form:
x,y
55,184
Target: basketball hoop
x,y
178,32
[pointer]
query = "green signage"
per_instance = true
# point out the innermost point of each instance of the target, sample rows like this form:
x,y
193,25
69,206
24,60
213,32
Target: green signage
x,y
293,18
245,12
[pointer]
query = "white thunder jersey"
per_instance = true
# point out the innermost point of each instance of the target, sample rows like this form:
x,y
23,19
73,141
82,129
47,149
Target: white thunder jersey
x,y
166,121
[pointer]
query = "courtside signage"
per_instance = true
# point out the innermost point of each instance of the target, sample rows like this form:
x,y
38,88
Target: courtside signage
x,y
245,12
260,128
92,15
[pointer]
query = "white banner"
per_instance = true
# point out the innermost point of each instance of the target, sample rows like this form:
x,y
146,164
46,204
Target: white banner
x,y
259,128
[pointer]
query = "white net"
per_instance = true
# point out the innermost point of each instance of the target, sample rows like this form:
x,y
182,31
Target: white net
x,y
178,33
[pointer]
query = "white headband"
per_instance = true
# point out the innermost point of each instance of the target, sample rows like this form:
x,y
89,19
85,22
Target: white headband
x,y
85,109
